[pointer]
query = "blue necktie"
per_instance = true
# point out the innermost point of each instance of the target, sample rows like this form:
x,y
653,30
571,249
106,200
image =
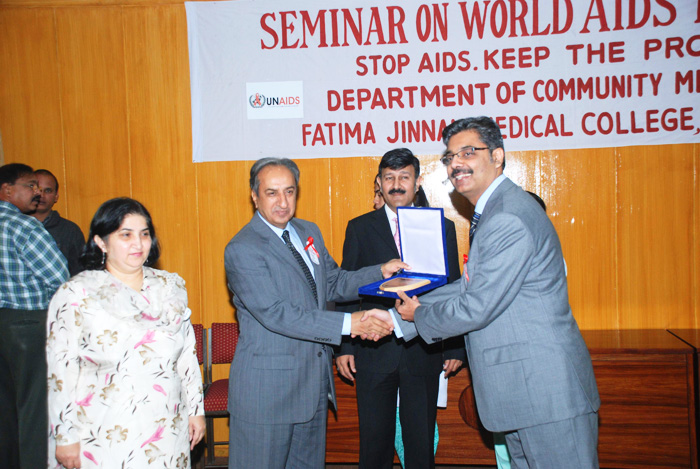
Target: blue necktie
x,y
302,264
472,228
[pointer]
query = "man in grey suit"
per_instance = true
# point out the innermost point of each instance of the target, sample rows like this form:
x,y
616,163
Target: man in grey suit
x,y
281,276
532,373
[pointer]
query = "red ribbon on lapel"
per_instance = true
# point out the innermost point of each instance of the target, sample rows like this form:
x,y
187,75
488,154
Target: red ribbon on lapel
x,y
310,245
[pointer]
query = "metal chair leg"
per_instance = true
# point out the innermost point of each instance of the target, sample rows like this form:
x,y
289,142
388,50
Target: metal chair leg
x,y
211,456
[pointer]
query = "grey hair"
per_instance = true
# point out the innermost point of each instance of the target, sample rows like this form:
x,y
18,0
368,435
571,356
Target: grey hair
x,y
271,161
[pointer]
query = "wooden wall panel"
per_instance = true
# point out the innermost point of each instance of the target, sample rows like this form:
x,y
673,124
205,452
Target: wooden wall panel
x,y
30,111
157,77
655,237
224,206
525,169
351,192
694,253
579,188
315,201
93,97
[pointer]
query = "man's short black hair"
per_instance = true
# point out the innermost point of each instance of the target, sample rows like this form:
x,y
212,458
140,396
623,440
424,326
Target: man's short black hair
x,y
397,159
9,173
489,132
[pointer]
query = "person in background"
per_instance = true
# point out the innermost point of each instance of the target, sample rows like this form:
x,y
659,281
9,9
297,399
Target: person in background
x,y
421,200
124,384
378,201
390,365
68,236
538,199
31,269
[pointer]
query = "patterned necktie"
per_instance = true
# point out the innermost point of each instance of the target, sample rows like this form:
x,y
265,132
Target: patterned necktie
x,y
302,264
472,228
397,239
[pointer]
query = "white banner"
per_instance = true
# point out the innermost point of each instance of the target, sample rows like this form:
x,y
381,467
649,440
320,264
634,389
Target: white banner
x,y
310,79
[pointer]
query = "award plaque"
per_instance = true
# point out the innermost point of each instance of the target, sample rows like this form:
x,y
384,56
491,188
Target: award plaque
x,y
403,283
422,237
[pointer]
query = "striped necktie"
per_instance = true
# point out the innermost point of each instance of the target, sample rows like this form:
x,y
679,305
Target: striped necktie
x,y
302,264
472,228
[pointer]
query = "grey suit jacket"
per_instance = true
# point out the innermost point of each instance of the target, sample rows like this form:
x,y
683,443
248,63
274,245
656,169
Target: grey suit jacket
x,y
276,372
528,361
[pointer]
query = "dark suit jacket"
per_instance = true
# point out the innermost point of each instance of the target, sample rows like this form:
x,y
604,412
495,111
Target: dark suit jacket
x,y
368,240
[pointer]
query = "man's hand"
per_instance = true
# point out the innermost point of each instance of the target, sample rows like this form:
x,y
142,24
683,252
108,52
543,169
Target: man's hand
x,y
451,366
346,366
393,266
197,427
372,324
407,306
68,455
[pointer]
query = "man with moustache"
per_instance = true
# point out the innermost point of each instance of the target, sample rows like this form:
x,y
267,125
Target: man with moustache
x,y
282,276
532,373
68,237
391,365
31,270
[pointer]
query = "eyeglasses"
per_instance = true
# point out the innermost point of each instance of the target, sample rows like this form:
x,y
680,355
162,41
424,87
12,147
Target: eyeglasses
x,y
32,185
463,154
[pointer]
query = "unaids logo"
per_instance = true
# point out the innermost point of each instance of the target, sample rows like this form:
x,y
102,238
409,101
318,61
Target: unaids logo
x,y
274,99
257,100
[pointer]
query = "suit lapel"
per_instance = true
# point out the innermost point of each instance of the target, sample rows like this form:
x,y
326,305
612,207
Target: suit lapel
x,y
497,195
379,223
278,249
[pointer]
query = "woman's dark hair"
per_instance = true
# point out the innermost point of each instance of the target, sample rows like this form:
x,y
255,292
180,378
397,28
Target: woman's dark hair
x,y
108,218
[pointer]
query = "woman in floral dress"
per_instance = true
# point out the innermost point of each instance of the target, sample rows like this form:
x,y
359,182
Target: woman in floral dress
x,y
125,390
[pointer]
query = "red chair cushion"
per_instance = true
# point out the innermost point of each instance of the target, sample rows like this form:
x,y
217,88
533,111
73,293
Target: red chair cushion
x,y
224,338
216,399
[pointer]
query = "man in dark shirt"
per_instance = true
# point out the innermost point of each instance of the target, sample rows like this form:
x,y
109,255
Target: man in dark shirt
x,y
68,236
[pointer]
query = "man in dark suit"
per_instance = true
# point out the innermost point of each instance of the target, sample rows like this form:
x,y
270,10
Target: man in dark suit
x,y
392,365
532,373
281,276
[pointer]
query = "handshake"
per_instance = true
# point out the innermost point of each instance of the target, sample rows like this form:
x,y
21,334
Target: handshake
x,y
372,324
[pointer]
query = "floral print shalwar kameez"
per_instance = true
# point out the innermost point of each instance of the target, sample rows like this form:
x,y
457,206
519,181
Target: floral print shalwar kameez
x,y
123,374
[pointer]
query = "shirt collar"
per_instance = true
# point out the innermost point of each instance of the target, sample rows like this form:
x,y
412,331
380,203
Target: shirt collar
x,y
9,206
390,216
481,203
278,231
